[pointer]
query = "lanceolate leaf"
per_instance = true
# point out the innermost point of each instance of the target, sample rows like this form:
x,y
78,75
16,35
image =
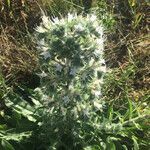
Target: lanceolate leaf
x,y
16,136
6,145
22,107
136,145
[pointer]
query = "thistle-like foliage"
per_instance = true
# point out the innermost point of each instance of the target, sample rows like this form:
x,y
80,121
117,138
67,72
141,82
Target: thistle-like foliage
x,y
72,65
71,51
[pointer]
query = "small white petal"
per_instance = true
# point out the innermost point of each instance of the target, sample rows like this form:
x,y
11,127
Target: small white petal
x,y
56,20
86,112
102,61
41,29
66,99
102,68
99,30
100,41
98,52
93,18
46,22
97,105
41,42
43,74
45,19
97,93
58,67
91,61
95,24
79,27
70,17
73,71
62,21
44,48
82,57
46,54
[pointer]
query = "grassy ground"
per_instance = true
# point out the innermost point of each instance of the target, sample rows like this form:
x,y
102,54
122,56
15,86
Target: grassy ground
x,y
126,51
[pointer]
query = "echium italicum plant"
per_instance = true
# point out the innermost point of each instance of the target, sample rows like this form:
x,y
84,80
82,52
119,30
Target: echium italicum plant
x,y
72,69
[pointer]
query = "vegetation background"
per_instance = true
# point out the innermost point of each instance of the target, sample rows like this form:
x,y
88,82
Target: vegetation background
x,y
127,52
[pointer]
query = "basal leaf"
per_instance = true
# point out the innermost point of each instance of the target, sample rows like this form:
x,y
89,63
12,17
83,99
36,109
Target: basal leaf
x,y
6,145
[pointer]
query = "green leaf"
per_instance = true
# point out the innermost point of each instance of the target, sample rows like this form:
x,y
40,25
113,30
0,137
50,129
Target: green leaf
x,y
111,146
6,145
16,115
136,145
92,148
8,3
129,113
22,108
3,126
110,112
110,143
130,109
124,147
16,136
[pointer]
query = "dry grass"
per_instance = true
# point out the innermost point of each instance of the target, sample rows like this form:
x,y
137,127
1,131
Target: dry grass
x,y
16,59
127,52
17,49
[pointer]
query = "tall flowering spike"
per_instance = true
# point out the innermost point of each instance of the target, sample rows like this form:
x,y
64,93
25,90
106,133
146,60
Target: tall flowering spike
x,y
71,52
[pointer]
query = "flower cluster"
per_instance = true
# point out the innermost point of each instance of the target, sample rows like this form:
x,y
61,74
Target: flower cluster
x,y
71,51
72,64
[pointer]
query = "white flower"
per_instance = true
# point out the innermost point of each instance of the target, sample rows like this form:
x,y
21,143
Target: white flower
x,y
46,22
62,21
56,20
99,29
93,17
95,24
41,42
40,29
66,99
73,71
82,57
100,41
102,69
100,81
108,127
97,52
40,123
58,67
70,17
97,93
91,61
102,61
43,74
98,105
79,27
44,48
45,19
45,97
42,45
46,54
86,112
71,87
